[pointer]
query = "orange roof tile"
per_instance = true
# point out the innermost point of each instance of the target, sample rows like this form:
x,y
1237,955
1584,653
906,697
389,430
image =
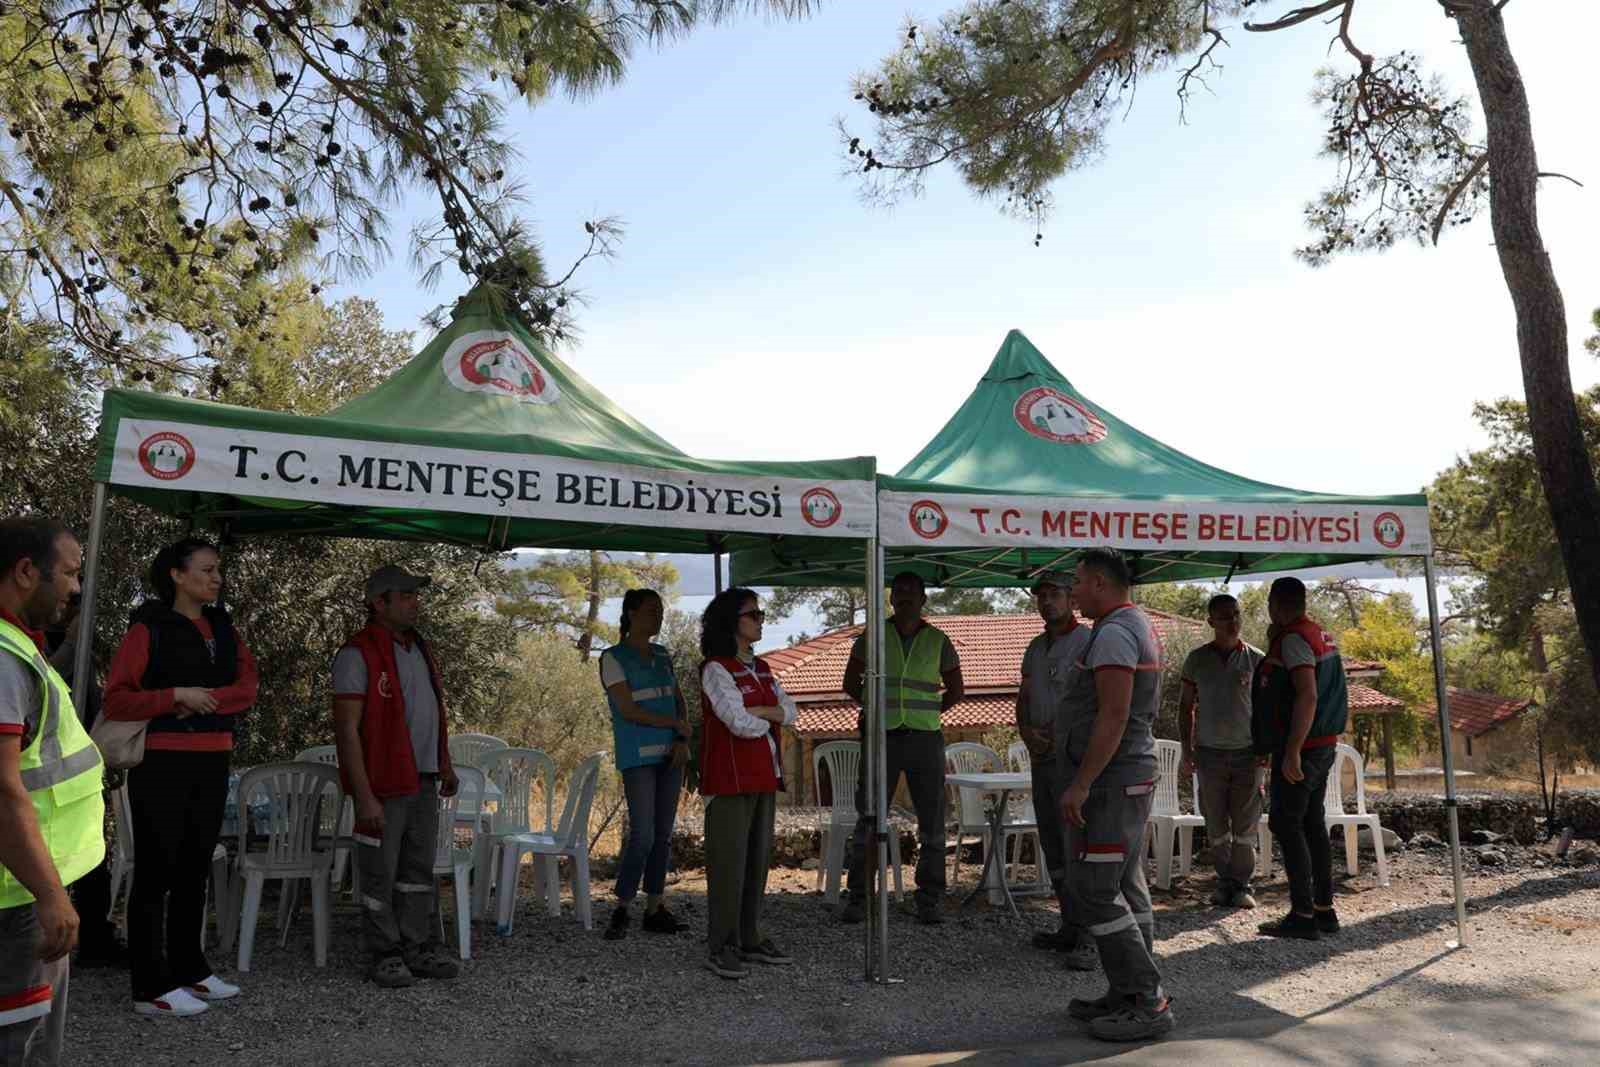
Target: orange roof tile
x,y
839,716
1366,699
1474,713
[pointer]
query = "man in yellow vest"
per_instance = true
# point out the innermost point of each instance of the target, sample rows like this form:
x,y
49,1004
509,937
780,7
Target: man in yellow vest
x,y
918,662
50,806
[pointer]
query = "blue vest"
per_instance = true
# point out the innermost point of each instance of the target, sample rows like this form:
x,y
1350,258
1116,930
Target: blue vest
x,y
655,689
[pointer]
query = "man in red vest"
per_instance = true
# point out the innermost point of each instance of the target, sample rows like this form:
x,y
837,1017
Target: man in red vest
x,y
389,723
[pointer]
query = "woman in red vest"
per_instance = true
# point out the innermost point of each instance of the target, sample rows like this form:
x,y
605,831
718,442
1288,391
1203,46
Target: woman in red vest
x,y
741,771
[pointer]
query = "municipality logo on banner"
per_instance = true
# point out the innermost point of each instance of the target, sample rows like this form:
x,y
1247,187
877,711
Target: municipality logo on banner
x,y
1055,416
167,456
494,361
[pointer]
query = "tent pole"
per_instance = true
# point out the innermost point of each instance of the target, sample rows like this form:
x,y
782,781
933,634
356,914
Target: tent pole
x,y
83,656
869,744
716,572
881,773
1445,750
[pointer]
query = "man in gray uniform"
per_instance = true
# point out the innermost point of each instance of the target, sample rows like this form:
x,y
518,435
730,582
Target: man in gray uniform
x,y
1046,666
1214,726
1106,747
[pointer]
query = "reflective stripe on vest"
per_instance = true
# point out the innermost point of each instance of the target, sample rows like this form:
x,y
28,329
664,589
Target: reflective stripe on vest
x,y
61,770
912,682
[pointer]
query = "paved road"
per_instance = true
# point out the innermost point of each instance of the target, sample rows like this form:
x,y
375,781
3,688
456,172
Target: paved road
x,y
1560,1030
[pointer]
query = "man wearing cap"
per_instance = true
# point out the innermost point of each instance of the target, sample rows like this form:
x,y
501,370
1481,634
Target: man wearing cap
x,y
389,722
1046,665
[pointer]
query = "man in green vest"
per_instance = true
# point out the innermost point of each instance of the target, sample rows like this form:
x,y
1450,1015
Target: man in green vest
x,y
50,806
918,662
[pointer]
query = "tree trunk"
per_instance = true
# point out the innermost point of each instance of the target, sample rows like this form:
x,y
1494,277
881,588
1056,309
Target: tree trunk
x,y
586,639
1558,445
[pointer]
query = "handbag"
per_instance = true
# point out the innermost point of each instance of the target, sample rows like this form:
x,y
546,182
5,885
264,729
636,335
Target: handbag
x,y
120,741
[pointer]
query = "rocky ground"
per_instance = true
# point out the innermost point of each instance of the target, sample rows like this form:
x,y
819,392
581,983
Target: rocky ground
x,y
554,993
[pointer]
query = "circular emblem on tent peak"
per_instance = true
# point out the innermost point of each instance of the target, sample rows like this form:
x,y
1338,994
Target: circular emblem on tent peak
x,y
820,507
1050,414
166,455
928,520
1389,530
495,362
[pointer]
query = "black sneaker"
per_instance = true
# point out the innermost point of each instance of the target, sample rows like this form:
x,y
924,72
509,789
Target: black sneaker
x,y
928,913
853,911
617,929
1291,925
1101,1006
1327,921
1058,940
766,952
662,921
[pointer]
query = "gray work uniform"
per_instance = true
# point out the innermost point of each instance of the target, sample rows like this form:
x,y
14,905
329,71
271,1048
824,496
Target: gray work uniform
x,y
1230,773
398,895
1106,891
1047,665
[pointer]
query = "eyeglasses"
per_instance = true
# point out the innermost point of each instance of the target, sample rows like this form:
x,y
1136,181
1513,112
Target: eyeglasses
x,y
755,613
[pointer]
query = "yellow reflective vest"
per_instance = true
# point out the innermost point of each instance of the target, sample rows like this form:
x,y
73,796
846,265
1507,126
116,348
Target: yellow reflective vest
x,y
61,770
912,681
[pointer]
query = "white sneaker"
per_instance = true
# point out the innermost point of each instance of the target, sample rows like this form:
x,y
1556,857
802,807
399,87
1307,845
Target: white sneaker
x,y
177,1004
212,988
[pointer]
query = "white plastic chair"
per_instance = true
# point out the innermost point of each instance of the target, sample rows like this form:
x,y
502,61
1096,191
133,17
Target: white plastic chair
x,y
454,860
514,771
329,755
296,794
473,750
1168,818
970,757
571,839
1333,809
1020,760
122,868
843,760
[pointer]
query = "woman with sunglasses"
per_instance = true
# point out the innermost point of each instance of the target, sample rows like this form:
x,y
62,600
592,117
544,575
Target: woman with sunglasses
x,y
741,771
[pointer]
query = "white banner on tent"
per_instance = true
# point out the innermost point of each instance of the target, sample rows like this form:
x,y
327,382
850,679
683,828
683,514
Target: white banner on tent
x,y
965,520
334,470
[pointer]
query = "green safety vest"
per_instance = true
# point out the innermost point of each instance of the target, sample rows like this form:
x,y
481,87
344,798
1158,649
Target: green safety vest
x,y
912,681
61,770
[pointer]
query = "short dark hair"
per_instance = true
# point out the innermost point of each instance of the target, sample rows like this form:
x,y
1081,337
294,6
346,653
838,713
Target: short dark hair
x,y
1290,592
1109,564
32,538
719,625
632,600
910,576
1219,600
174,556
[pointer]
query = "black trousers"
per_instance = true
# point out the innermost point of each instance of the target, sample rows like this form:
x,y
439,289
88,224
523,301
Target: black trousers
x,y
1297,821
91,895
176,800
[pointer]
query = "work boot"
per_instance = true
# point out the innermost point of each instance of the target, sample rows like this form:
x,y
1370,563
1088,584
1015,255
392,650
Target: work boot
x,y
617,928
1062,939
928,913
1327,921
727,963
1135,1022
854,910
1302,927
391,972
1241,898
434,962
1090,1010
1081,957
1222,896
662,921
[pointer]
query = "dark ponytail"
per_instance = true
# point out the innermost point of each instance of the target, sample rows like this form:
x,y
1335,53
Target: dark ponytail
x,y
174,557
632,601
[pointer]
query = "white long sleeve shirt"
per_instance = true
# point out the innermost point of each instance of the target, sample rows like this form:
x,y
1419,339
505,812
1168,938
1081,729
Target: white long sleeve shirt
x,y
727,703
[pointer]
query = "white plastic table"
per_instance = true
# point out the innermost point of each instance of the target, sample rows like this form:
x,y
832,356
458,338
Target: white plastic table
x,y
1001,784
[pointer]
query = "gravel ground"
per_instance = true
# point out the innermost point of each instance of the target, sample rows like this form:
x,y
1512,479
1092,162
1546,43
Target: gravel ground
x,y
553,993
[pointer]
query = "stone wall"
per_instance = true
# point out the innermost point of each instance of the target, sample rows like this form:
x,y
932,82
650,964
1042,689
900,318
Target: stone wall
x,y
1520,815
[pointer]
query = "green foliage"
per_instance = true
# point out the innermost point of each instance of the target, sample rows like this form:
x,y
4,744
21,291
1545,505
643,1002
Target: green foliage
x,y
961,601
1016,93
1187,599
562,593
163,164
1389,632
835,606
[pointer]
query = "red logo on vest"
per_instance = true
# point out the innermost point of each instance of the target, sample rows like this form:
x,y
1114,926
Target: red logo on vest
x,y
385,690
820,507
928,520
1053,415
166,455
1389,530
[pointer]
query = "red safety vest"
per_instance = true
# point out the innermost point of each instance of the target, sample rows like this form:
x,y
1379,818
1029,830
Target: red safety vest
x,y
730,764
385,737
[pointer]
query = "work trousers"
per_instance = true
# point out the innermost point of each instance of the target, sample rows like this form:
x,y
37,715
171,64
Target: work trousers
x,y
1298,822
652,795
1231,802
1052,837
919,755
738,829
33,994
175,802
1107,897
398,898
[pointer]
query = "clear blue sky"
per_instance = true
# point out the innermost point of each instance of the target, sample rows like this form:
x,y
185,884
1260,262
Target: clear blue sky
x,y
758,309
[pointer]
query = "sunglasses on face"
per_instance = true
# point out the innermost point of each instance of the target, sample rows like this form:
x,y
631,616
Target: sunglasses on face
x,y
754,613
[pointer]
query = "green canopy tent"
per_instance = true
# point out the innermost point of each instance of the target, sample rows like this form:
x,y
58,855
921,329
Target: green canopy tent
x,y
1029,472
483,439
